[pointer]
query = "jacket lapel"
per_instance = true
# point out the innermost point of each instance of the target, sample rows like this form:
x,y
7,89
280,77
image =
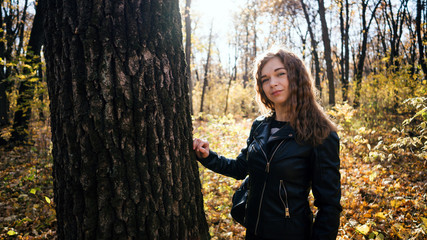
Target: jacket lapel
x,y
283,133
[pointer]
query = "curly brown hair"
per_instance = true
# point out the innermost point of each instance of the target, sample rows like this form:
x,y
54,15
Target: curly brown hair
x,y
307,117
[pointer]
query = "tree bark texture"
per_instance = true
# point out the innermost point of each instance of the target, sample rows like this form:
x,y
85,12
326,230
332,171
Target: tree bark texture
x,y
328,52
121,124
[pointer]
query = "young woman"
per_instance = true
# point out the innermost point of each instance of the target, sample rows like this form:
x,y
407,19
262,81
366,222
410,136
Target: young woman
x,y
289,151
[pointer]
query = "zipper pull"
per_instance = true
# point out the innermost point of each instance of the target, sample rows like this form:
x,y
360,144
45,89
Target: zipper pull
x,y
267,168
287,214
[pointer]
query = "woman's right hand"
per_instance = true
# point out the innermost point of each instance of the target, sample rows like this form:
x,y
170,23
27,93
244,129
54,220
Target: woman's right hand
x,y
201,147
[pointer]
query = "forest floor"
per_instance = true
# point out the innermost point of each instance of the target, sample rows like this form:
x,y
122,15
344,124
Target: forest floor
x,y
384,182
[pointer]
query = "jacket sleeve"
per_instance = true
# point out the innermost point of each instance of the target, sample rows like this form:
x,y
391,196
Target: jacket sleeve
x,y
326,188
235,168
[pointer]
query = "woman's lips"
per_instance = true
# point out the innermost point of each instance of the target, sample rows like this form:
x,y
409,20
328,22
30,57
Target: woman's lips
x,y
276,92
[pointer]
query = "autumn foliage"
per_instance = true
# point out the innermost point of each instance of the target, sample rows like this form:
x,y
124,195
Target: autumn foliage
x,y
383,161
382,174
383,137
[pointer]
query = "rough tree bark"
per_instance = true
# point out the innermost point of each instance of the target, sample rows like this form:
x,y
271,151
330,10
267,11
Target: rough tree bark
x,y
121,124
328,52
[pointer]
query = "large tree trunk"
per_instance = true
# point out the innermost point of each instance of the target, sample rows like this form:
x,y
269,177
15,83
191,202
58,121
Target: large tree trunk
x,y
328,52
121,124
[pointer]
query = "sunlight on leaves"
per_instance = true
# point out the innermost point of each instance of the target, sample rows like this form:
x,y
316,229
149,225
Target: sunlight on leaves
x,y
363,229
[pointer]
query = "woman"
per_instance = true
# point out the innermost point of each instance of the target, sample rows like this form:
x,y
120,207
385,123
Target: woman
x,y
291,150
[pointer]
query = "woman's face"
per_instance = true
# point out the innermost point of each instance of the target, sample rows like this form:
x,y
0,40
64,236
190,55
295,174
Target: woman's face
x,y
275,83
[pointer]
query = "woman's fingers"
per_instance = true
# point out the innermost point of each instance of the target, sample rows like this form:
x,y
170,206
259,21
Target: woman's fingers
x,y
201,148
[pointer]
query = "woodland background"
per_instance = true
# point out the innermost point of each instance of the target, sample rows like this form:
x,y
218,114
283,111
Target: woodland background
x,y
367,58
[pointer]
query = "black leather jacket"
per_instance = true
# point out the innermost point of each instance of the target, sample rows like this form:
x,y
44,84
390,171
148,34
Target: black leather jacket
x,y
280,181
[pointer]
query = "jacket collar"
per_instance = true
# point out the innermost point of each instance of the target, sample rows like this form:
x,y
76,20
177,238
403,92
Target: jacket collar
x,y
262,132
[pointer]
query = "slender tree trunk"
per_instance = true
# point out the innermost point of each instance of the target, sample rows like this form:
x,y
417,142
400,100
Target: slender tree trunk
x,y
421,36
342,58
313,48
188,49
21,29
254,25
13,17
347,49
395,23
205,78
344,23
4,108
362,52
121,124
233,76
4,102
328,52
22,116
246,56
4,84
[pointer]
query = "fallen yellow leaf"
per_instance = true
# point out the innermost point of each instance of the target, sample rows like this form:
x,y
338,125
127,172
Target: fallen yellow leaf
x,y
424,225
363,229
380,215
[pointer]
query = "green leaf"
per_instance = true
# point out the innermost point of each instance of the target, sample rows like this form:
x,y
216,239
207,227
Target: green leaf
x,y
380,237
33,191
11,233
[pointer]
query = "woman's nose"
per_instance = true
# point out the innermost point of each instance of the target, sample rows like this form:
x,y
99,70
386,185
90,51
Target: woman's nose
x,y
274,81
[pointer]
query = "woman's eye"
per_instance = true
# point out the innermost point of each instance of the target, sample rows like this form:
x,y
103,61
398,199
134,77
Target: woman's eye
x,y
282,73
264,80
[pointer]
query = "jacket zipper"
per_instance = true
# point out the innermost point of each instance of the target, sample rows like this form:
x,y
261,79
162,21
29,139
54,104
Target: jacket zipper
x,y
285,203
267,169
